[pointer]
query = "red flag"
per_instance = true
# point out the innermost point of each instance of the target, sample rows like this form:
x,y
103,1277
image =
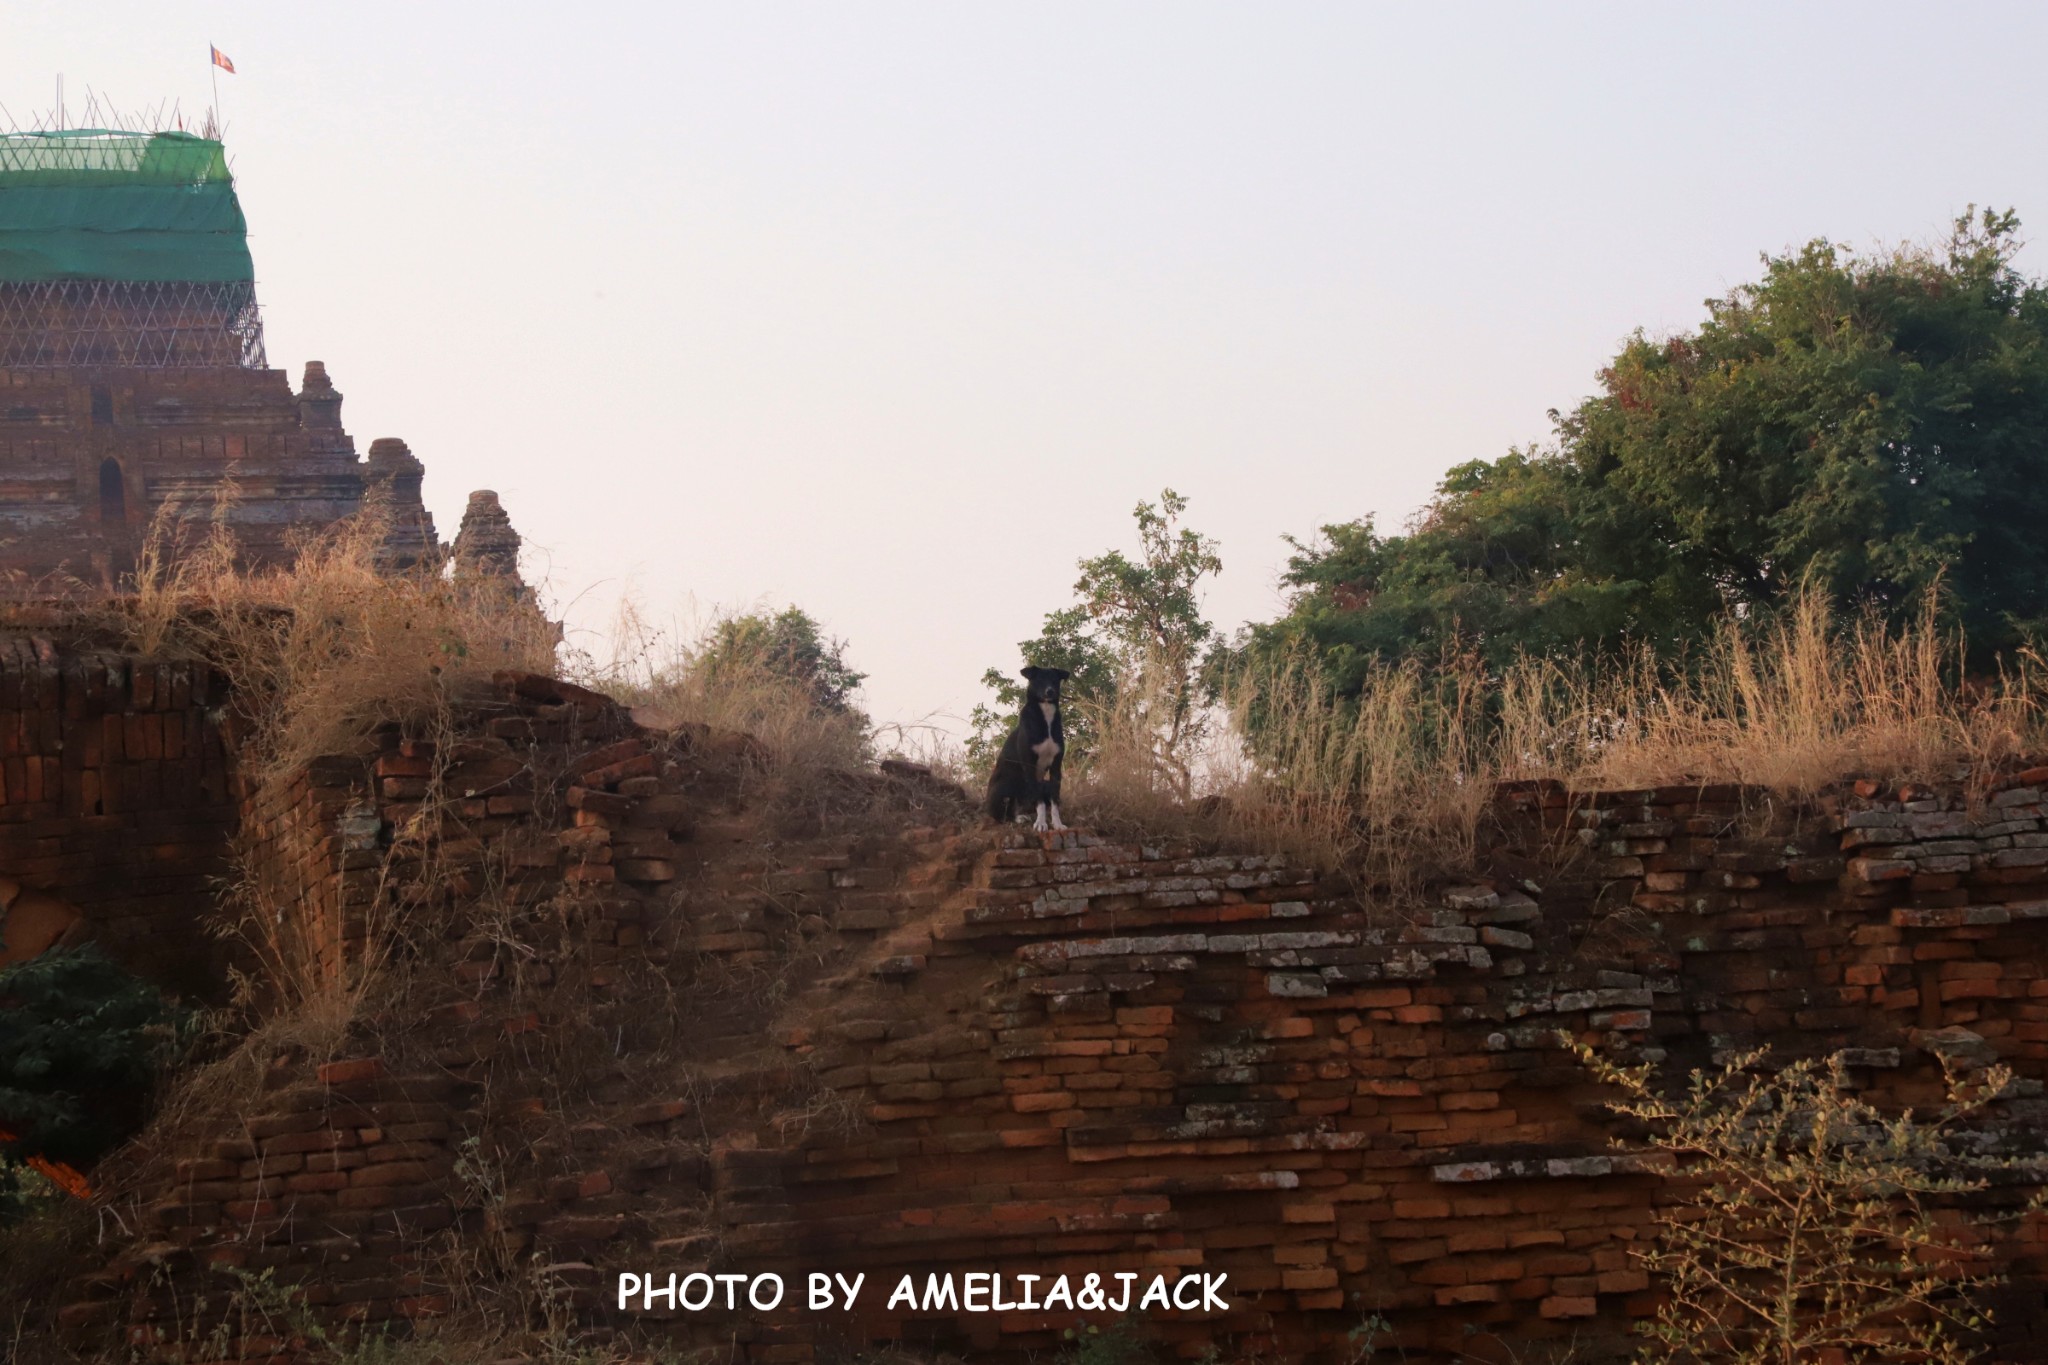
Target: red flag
x,y
220,59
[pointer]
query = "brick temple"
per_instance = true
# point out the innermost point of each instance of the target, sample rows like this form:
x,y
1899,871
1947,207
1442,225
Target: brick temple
x,y
134,385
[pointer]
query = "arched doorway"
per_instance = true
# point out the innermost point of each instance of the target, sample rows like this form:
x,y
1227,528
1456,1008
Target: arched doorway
x,y
31,922
113,494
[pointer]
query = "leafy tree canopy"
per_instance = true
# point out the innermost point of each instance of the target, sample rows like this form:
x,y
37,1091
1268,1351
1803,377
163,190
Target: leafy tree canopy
x,y
1067,640
789,645
1135,638
81,1041
1877,423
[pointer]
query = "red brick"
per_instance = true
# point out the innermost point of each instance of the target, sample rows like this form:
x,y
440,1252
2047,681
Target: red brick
x,y
1469,1099
1308,1213
344,1073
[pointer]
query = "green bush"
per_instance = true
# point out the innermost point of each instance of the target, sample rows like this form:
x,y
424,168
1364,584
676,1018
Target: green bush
x,y
81,1044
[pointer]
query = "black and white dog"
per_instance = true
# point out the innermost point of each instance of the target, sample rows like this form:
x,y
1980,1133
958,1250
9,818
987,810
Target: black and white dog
x,y
1027,771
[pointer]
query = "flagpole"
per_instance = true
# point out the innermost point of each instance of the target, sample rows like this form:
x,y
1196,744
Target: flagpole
x,y
213,67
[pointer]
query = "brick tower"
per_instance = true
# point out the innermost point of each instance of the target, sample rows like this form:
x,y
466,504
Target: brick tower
x,y
133,380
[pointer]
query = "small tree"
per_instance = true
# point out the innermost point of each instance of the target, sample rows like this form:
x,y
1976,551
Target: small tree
x,y
1809,1235
789,645
1068,641
81,1042
1135,641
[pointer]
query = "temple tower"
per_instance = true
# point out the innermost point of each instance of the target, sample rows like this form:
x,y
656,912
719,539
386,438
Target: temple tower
x,y
134,387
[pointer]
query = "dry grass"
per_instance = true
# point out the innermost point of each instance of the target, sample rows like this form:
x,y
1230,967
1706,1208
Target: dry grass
x,y
669,677
327,650
1394,785
802,764
322,653
1803,702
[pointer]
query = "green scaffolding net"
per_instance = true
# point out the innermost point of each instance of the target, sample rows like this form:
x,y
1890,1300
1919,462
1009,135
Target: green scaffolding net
x,y
94,204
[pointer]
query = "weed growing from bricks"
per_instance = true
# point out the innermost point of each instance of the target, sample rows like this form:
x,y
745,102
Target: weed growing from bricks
x,y
1811,1225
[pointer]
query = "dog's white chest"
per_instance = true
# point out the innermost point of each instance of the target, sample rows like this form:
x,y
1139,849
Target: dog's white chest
x,y
1048,748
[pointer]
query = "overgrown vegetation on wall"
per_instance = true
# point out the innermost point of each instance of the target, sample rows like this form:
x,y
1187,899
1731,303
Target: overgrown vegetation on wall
x,y
1795,547
1817,1226
325,650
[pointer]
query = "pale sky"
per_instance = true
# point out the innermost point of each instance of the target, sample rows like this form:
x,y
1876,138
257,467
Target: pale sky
x,y
895,311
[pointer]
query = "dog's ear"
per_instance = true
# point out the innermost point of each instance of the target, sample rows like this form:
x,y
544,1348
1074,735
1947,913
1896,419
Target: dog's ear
x,y
1058,674
1034,673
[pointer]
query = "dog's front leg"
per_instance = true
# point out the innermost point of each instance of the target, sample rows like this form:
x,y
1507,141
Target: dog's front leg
x,y
1056,823
1038,826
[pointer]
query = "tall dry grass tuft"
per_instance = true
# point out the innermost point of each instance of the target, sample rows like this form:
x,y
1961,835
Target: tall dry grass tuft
x,y
1385,787
1392,785
328,649
1799,702
321,653
684,675
1123,779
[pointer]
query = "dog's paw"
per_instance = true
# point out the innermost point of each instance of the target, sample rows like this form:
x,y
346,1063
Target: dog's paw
x,y
1057,823
1038,826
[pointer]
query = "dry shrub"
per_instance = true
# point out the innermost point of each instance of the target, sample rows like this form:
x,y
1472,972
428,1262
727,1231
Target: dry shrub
x,y
1794,705
324,651
679,677
745,697
1812,1225
321,653
1392,785
1118,780
1389,788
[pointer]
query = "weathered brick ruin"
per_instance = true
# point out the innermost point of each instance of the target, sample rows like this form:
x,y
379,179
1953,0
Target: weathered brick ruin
x,y
134,386
118,806
88,460
652,1025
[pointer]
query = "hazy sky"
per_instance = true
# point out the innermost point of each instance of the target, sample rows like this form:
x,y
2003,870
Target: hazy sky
x,y
895,311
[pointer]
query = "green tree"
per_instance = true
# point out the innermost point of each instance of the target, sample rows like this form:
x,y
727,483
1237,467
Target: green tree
x,y
789,645
1136,643
1872,423
81,1042
1067,640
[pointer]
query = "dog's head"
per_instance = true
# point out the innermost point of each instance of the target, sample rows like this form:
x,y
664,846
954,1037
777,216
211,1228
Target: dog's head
x,y
1043,684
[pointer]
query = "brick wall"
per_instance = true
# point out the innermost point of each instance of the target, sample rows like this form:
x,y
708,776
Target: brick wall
x,y
1187,1064
918,1049
89,460
116,798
